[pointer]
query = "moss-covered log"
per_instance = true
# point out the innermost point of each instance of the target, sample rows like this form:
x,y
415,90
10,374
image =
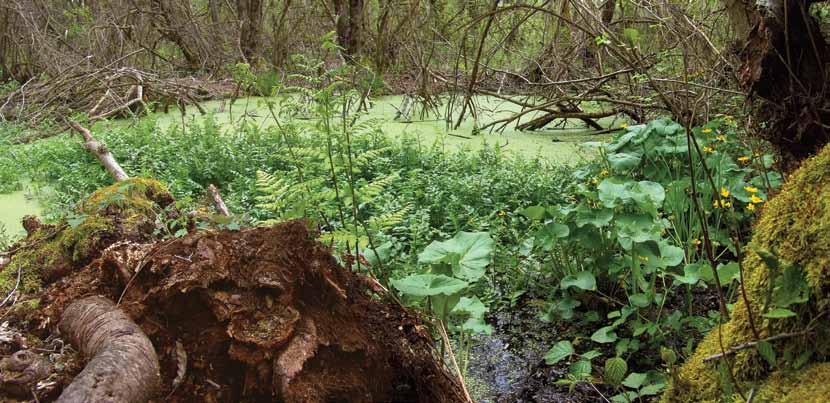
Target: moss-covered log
x,y
795,227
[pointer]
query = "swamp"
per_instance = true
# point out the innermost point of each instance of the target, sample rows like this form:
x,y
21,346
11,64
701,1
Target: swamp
x,y
414,201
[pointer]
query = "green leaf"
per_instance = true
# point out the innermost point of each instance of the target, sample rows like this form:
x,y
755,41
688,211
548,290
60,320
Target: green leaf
x,y
477,325
548,234
604,335
637,228
469,253
559,352
790,287
424,285
729,272
653,389
623,161
583,280
597,217
472,307
779,313
635,380
615,370
767,352
581,369
640,300
535,213
590,355
691,274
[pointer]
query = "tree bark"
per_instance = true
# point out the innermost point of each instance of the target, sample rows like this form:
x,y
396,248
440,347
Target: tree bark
x,y
349,23
785,63
249,13
123,365
101,152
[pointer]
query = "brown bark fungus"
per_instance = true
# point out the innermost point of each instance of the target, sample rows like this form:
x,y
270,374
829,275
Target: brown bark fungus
x,y
262,314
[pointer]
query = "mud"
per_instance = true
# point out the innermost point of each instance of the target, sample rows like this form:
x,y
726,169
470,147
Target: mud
x,y
263,314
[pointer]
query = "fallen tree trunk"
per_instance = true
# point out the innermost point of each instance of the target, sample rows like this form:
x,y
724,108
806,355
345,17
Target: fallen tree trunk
x,y
101,152
123,366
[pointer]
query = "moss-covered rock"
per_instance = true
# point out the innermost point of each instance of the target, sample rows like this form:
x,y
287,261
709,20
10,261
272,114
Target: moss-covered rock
x,y
795,226
125,210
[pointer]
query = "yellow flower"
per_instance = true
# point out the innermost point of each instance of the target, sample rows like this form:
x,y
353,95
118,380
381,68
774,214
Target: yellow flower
x,y
708,149
743,159
594,181
750,207
751,189
721,137
624,126
696,242
723,204
502,213
724,192
603,173
643,258
706,130
756,199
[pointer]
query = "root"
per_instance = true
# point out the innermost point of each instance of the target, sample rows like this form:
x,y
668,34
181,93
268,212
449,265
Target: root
x,y
123,365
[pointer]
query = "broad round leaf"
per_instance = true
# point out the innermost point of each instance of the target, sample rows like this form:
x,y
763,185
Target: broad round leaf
x,y
424,285
583,280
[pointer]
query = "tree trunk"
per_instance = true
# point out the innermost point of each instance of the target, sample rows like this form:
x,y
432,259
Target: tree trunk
x,y
785,63
249,13
349,26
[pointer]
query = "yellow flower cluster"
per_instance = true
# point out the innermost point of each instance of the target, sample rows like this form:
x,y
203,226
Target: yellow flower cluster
x,y
722,204
743,159
706,130
754,199
708,149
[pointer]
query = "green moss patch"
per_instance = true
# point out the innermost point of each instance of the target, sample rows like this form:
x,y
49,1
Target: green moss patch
x,y
795,228
125,210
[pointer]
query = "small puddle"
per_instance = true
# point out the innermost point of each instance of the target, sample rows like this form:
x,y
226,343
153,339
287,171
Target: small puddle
x,y
500,363
13,207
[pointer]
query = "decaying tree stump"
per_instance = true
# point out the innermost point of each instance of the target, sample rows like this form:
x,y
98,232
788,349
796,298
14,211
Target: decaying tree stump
x,y
261,314
786,62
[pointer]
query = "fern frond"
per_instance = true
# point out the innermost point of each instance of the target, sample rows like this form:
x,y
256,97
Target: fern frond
x,y
390,219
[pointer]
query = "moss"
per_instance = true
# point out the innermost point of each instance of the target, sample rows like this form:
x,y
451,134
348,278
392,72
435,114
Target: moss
x,y
795,224
109,214
810,384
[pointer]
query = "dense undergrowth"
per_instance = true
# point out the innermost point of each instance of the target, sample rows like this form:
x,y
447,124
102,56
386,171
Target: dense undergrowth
x,y
617,245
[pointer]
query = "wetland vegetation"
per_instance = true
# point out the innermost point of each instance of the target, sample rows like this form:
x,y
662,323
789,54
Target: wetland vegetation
x,y
529,201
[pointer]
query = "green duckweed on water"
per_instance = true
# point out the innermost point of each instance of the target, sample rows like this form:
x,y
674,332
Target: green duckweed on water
x,y
561,145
